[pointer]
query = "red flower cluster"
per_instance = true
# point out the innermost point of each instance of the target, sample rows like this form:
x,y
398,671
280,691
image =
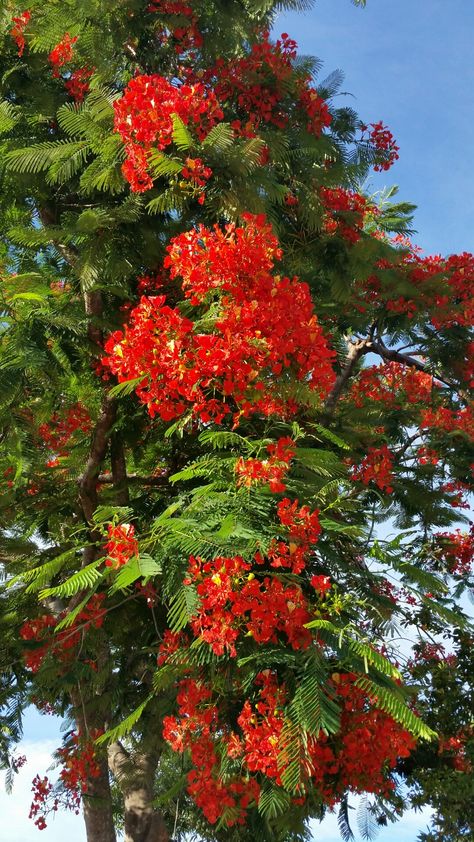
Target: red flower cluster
x,y
121,546
392,384
143,118
171,643
17,31
63,427
196,171
194,728
265,325
370,741
302,525
358,757
257,85
37,630
455,747
79,761
442,287
62,53
262,728
382,140
77,85
187,36
377,466
272,470
41,789
344,212
63,645
449,420
322,584
456,551
234,603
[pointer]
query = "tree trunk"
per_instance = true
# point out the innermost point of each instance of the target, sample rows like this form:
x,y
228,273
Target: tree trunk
x,y
97,804
142,822
135,774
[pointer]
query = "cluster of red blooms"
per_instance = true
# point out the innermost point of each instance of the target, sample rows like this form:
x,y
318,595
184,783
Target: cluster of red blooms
x,y
79,766
272,470
62,54
382,140
9,472
17,31
41,789
456,551
79,762
392,384
197,173
358,757
377,466
63,645
143,118
344,212
172,642
452,304
78,83
121,545
18,762
234,603
449,420
455,747
266,325
427,456
460,491
64,425
302,529
257,85
456,305
194,728
186,37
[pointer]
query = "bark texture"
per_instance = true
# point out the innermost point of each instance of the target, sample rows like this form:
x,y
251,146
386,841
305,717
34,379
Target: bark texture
x,y
135,776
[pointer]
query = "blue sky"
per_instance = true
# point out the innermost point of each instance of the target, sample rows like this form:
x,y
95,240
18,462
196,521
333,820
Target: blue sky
x,y
408,63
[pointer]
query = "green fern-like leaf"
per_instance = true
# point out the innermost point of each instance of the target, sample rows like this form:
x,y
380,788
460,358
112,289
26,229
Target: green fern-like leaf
x,y
125,726
88,577
182,137
9,116
41,156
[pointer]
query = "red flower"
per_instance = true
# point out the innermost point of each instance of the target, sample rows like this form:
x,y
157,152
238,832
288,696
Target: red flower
x,y
143,118
17,31
262,325
382,140
62,53
121,546
377,467
77,85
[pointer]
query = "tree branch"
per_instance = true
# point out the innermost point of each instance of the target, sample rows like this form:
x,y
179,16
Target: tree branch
x,y
88,496
159,481
378,347
119,470
355,351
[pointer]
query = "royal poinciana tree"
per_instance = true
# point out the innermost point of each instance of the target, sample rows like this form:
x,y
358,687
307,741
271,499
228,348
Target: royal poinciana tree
x,y
236,434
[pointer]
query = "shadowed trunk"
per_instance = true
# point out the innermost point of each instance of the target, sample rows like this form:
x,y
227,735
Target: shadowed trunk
x,y
135,777
97,804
